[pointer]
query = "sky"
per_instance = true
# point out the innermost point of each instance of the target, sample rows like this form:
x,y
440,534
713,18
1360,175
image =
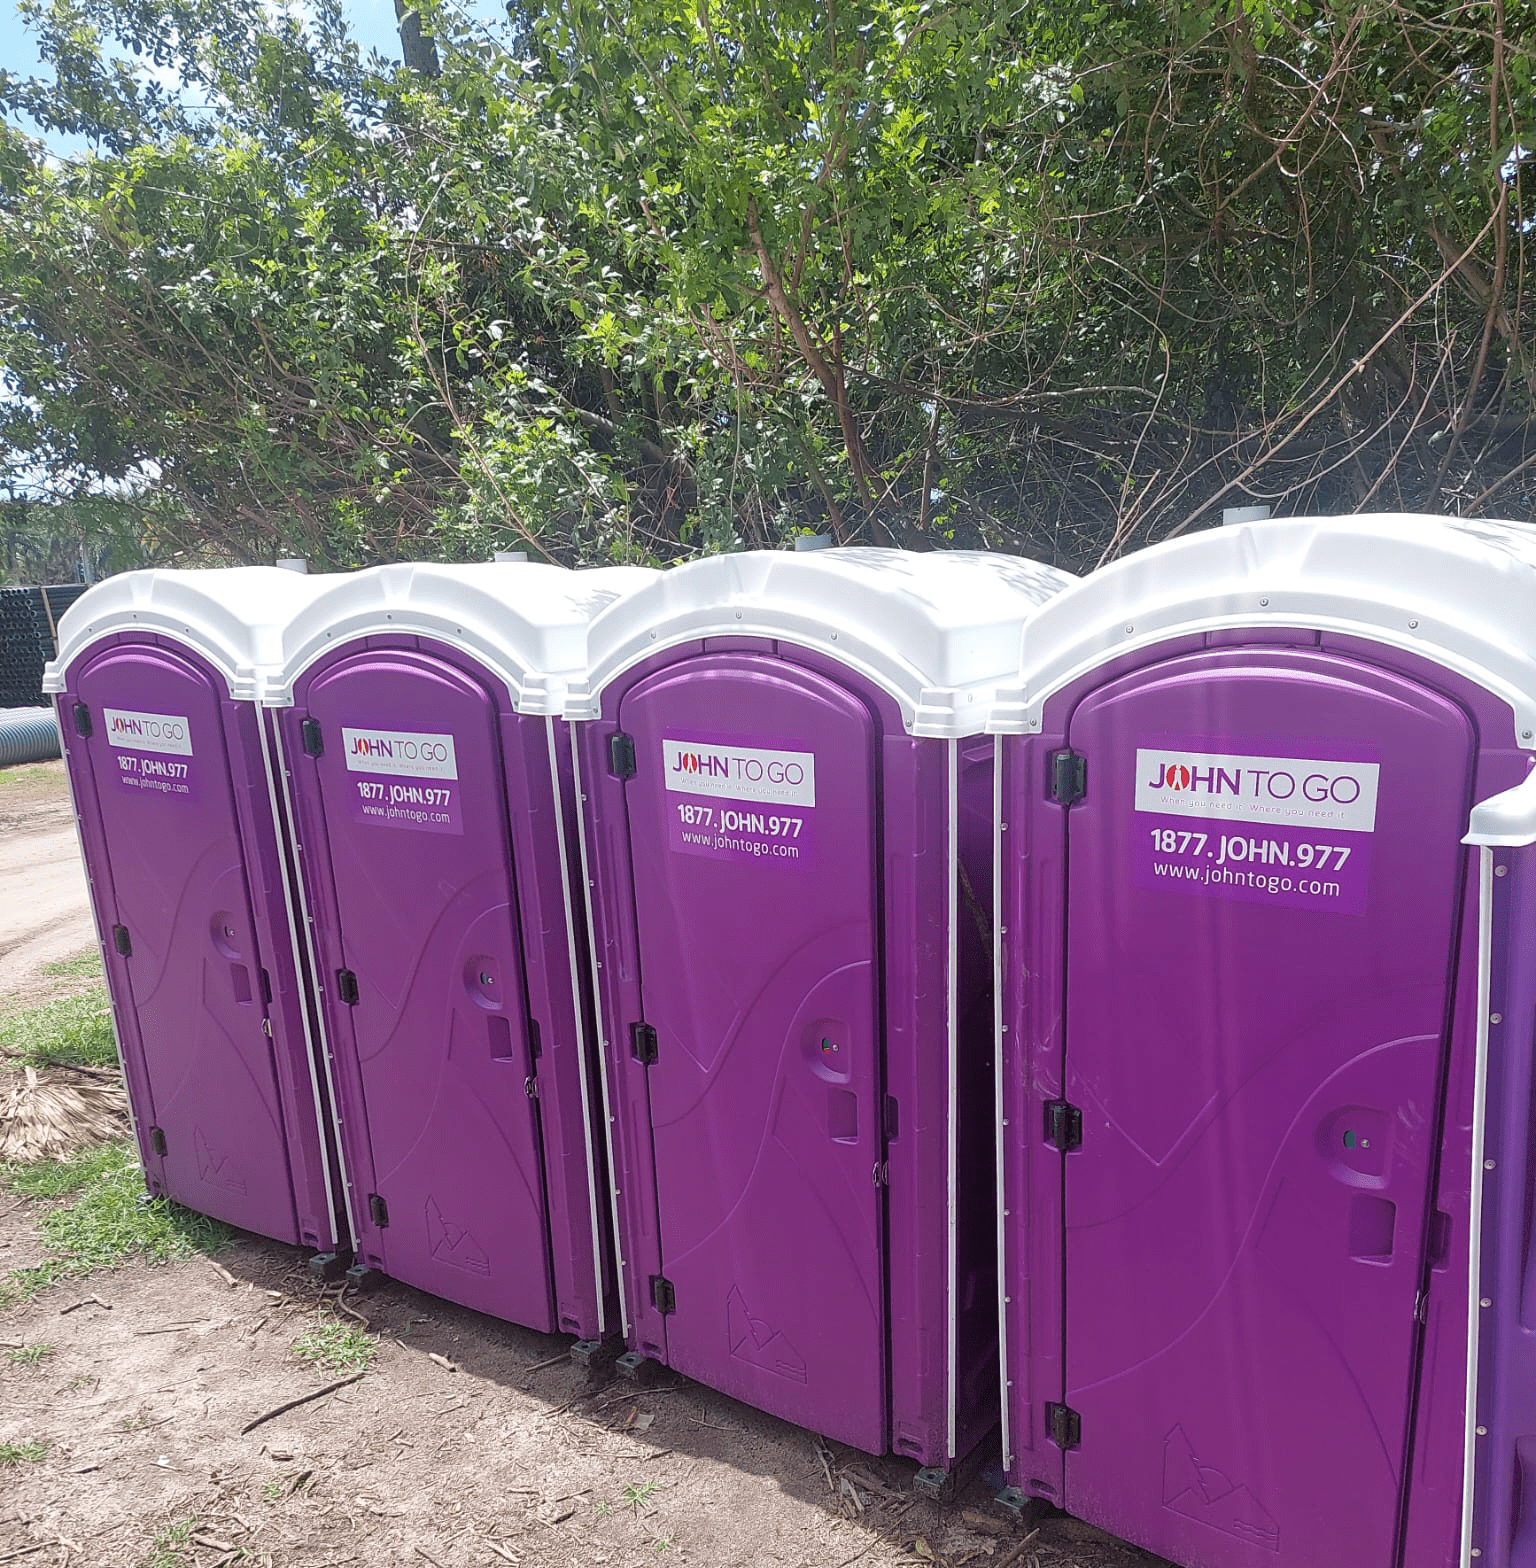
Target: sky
x,y
372,22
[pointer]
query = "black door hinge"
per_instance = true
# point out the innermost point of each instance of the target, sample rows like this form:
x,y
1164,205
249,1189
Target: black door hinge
x,y
82,719
621,755
1069,777
157,1140
1063,1125
1066,1425
346,986
663,1296
312,737
642,1043
122,941
378,1210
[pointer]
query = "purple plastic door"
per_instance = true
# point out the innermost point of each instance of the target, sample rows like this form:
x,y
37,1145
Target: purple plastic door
x,y
411,783
1263,898
752,821
163,788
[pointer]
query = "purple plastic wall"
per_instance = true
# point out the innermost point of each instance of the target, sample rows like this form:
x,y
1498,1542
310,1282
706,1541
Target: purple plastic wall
x,y
225,1083
517,886
910,820
1421,1524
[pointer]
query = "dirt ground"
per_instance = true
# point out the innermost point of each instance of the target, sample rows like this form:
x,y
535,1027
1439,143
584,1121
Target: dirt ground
x,y
44,914
467,1442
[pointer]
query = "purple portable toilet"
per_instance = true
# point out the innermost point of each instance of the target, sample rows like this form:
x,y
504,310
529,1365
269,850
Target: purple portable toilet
x,y
1266,1030
168,756
428,773
786,833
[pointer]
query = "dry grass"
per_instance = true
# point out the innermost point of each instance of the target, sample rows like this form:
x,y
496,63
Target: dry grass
x,y
54,1117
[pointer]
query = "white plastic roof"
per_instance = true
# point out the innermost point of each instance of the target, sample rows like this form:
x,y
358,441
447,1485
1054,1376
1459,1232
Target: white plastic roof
x,y
233,616
1460,593
939,632
525,622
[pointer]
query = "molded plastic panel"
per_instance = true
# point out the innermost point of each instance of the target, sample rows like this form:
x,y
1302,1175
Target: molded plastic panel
x,y
1264,881
434,1057
164,795
753,837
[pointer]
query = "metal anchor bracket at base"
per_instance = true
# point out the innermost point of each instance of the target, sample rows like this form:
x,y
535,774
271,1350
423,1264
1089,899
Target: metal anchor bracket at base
x,y
935,1483
637,1367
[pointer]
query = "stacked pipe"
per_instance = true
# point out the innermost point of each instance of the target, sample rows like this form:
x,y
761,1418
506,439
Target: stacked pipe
x,y
28,735
28,620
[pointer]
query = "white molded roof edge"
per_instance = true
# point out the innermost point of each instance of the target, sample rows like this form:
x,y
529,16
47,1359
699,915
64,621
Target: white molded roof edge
x,y
1507,820
1461,593
526,622
233,616
939,632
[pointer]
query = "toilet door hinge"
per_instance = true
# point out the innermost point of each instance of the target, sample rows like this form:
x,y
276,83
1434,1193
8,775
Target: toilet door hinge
x,y
643,1045
1066,1425
378,1210
156,1140
1069,777
82,720
621,755
121,941
1063,1125
313,737
346,986
663,1296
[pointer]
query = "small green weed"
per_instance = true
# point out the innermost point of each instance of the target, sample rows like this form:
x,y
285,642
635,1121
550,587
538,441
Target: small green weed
x,y
28,1355
637,1492
602,1510
86,966
171,1546
334,1347
661,1543
271,1491
74,1030
32,1453
110,1219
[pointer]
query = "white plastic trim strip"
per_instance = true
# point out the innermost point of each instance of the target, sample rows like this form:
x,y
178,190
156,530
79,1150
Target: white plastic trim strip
x,y
1475,1217
581,1034
997,1091
281,758
597,1013
293,944
952,1032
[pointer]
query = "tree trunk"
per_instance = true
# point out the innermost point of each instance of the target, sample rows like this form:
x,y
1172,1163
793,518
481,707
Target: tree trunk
x,y
418,48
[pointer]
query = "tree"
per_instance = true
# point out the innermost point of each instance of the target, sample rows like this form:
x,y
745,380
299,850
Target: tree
x,y
643,278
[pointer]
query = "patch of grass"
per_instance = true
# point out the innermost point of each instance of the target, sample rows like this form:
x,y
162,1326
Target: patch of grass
x,y
28,1355
111,1218
171,1548
334,1347
86,967
31,1453
637,1492
271,1491
74,1030
20,774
